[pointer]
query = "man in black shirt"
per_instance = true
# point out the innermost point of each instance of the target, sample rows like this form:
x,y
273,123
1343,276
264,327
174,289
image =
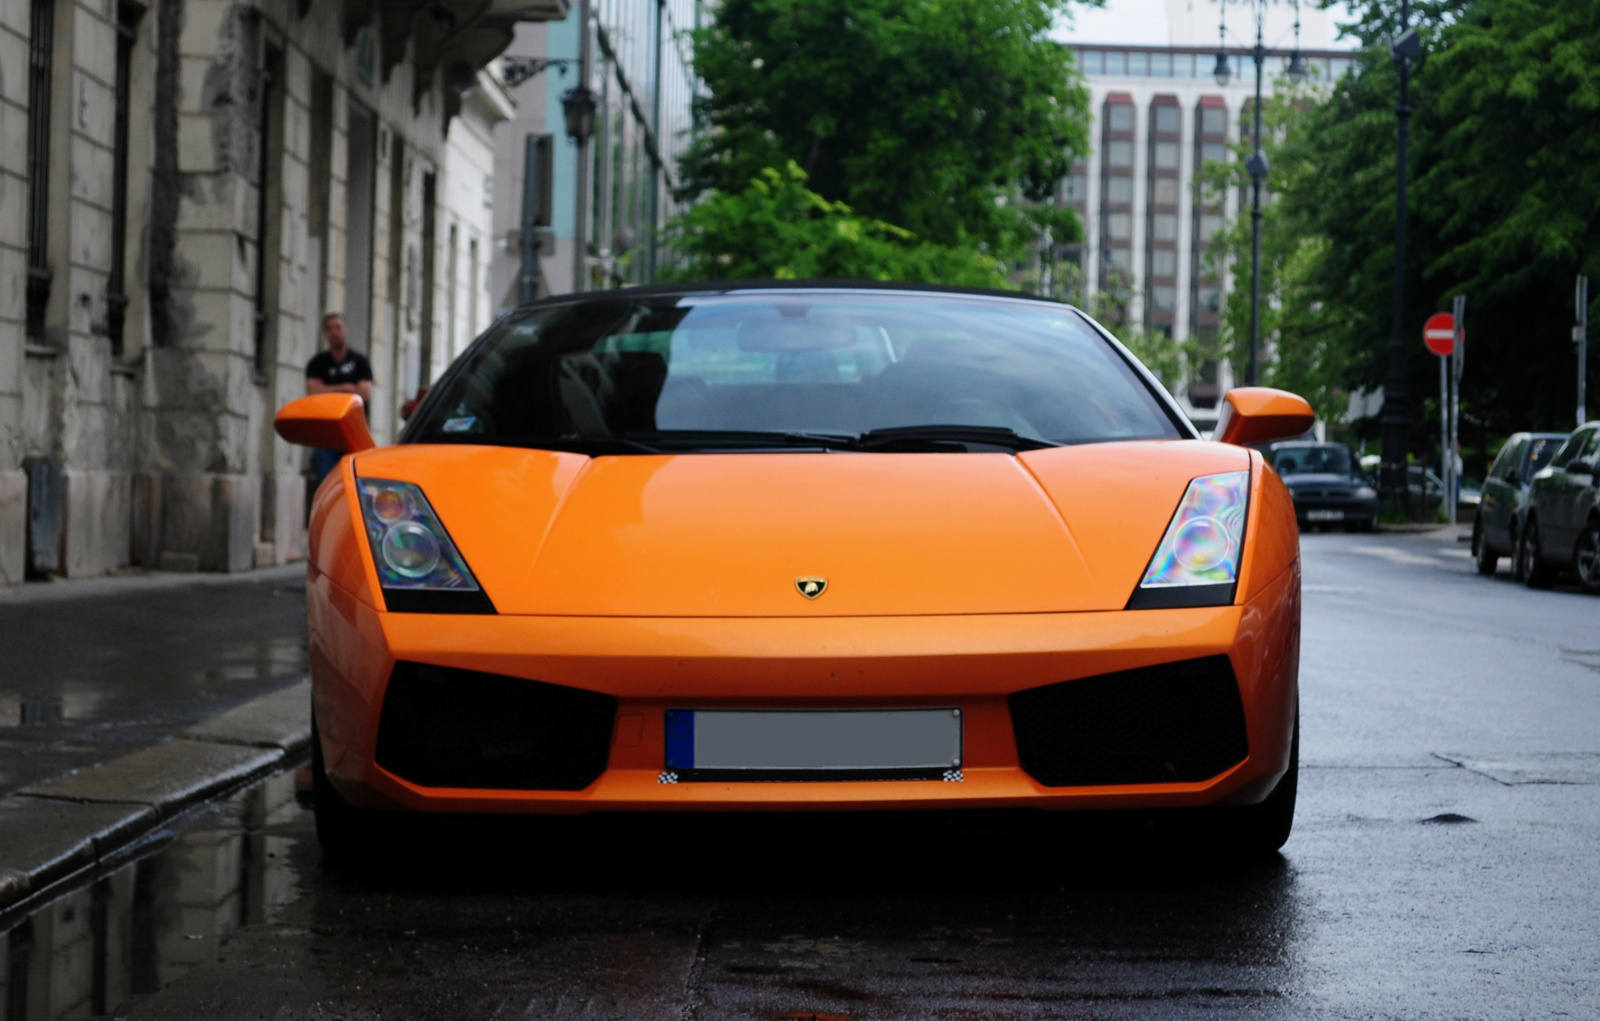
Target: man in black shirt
x,y
336,370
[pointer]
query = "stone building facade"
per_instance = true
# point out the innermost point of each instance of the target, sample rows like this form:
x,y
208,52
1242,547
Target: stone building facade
x,y
185,187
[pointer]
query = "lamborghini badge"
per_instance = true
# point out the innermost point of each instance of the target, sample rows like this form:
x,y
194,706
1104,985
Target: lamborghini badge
x,y
811,588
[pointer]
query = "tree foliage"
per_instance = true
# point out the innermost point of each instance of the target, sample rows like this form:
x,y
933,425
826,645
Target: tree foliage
x,y
777,228
1504,207
935,115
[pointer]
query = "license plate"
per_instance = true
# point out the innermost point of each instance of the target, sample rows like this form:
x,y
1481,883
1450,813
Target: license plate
x,y
801,744
1324,515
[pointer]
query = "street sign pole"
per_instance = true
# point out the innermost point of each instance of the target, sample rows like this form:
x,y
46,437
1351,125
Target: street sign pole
x,y
1580,335
1458,309
1439,335
1444,433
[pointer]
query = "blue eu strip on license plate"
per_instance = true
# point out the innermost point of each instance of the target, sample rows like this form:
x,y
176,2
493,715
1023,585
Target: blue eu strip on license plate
x,y
803,744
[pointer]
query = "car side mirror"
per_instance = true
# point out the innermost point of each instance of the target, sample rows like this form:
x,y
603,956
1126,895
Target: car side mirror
x,y
1512,479
1580,468
1260,414
333,421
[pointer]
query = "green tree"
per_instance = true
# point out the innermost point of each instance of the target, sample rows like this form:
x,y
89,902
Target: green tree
x,y
1504,207
777,228
944,117
1305,348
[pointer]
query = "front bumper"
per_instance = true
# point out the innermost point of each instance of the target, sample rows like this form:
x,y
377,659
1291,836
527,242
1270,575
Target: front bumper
x,y
651,665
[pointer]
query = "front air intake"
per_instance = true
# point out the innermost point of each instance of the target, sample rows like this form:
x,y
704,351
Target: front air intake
x,y
1174,723
443,727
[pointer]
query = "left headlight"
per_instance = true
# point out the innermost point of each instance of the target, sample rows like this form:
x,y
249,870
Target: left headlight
x,y
1197,562
419,568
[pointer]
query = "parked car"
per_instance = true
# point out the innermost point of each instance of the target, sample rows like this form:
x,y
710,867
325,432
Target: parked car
x,y
1562,531
1503,506
1327,483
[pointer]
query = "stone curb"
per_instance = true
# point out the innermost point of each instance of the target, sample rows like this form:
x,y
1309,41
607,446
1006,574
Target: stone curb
x,y
73,823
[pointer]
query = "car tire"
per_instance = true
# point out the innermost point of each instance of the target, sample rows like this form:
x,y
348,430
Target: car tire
x,y
1586,558
1488,561
1263,828
343,831
1534,571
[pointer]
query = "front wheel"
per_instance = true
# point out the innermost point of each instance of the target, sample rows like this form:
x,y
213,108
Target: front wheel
x,y
1486,558
343,830
1586,558
1530,558
1264,828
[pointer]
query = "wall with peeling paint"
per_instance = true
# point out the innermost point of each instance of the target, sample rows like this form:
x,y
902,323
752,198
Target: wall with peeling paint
x,y
165,449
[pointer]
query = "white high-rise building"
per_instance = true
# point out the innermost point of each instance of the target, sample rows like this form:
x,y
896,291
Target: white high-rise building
x,y
1158,114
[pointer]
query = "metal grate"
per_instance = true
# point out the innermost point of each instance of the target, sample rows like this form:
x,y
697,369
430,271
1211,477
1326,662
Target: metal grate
x,y
443,727
1178,722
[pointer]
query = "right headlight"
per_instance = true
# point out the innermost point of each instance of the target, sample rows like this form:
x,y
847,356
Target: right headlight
x,y
419,568
1197,561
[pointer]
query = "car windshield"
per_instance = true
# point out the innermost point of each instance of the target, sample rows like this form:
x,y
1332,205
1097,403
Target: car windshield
x,y
1540,451
796,368
1312,459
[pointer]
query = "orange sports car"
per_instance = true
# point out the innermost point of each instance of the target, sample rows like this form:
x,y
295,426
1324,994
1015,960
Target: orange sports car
x,y
780,546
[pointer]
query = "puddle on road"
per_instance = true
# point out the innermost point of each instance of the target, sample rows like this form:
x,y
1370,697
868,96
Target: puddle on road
x,y
153,920
83,700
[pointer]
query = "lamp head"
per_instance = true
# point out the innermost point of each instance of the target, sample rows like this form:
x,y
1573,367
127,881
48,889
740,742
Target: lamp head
x,y
1224,70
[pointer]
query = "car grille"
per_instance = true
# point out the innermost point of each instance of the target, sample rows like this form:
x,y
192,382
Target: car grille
x,y
1178,722
442,727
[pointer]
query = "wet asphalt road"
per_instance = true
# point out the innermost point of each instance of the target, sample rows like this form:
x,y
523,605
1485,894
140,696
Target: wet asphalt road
x,y
1443,865
99,666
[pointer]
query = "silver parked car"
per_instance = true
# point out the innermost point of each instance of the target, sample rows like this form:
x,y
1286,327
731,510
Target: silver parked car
x,y
1562,531
1504,504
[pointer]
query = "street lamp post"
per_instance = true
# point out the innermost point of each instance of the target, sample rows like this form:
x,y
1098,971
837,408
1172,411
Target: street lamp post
x,y
1405,48
1257,165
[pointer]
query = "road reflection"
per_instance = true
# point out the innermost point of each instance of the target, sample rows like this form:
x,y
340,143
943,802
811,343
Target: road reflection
x,y
151,921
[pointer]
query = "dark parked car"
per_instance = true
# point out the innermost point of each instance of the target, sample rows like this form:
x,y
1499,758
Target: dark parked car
x,y
1562,531
1327,483
1504,504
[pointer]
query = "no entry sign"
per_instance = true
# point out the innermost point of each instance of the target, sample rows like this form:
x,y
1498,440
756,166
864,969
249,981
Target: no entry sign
x,y
1439,333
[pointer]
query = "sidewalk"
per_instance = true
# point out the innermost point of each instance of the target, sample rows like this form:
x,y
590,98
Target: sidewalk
x,y
97,667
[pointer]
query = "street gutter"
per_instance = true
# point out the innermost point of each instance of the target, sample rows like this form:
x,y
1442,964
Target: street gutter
x,y
55,834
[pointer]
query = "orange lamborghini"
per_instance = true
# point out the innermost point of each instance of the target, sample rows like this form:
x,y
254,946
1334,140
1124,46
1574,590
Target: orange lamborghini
x,y
801,547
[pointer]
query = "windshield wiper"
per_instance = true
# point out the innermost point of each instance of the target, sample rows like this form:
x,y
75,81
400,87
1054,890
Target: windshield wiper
x,y
921,437
737,439
572,443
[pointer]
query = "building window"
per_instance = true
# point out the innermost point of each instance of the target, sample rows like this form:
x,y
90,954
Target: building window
x,y
1092,61
1209,299
1116,63
1120,154
1164,191
1118,258
1163,263
1213,152
40,52
1210,226
1119,117
1119,226
1119,189
1163,299
1076,188
1161,65
1213,120
1166,155
1138,65
128,15
1210,194
1164,227
1167,120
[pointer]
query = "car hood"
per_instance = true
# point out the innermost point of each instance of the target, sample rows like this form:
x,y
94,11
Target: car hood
x,y
728,535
